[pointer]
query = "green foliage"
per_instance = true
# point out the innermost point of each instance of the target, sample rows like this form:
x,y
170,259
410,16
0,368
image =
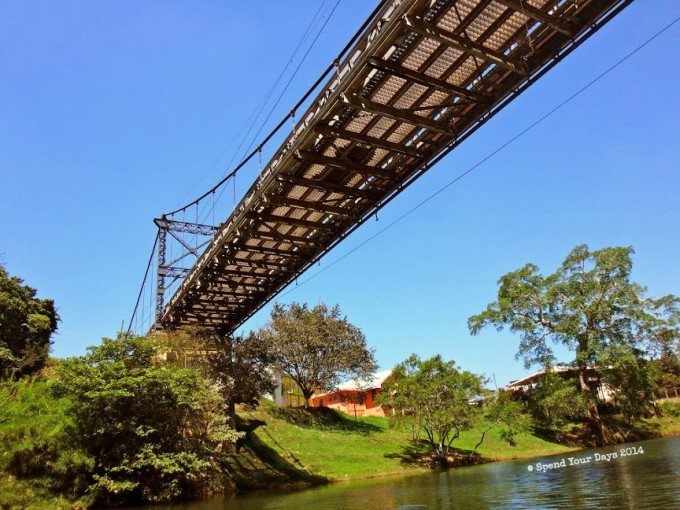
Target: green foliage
x,y
670,409
589,305
557,400
627,373
508,416
665,370
36,445
26,327
317,348
239,365
154,430
433,396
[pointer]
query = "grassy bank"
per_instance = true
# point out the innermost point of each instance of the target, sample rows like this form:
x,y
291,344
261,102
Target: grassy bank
x,y
32,424
283,448
294,447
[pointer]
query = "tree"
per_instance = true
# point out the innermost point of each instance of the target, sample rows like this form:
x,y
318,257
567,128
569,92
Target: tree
x,y
665,371
557,399
240,365
589,305
317,348
503,412
434,396
26,327
154,430
627,371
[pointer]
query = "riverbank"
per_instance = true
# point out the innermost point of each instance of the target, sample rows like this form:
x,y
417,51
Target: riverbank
x,y
293,448
286,449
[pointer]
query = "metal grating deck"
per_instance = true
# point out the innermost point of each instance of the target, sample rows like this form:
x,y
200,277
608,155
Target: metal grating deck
x,y
423,76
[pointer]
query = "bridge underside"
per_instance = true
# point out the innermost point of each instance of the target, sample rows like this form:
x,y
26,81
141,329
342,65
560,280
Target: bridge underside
x,y
423,76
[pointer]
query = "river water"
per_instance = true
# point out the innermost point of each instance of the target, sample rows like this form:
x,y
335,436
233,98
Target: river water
x,y
639,475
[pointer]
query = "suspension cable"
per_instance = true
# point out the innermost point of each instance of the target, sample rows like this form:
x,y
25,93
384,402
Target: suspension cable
x,y
283,121
141,290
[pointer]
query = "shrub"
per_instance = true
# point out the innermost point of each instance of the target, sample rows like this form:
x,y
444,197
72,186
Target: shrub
x,y
670,409
155,431
36,441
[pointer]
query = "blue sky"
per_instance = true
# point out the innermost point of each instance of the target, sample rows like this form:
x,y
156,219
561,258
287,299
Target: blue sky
x,y
112,113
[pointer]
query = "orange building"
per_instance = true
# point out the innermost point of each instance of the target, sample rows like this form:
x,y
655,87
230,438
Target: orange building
x,y
356,398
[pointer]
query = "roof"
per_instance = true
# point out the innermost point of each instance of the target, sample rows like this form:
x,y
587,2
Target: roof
x,y
375,382
531,378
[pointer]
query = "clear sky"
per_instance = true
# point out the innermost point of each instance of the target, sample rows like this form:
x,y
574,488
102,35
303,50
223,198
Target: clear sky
x,y
112,113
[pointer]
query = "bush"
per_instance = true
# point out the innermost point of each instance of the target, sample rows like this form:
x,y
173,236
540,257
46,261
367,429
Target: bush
x,y
156,431
557,400
26,327
670,409
36,444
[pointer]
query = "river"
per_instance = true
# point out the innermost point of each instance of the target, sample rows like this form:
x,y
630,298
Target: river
x,y
634,475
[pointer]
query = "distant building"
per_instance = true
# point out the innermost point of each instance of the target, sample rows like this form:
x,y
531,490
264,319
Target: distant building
x,y
287,392
356,398
597,385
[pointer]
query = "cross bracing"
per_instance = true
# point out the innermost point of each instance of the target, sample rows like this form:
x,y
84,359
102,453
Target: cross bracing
x,y
422,77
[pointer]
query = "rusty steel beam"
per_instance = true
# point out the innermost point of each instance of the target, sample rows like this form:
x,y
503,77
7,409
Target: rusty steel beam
x,y
464,44
524,7
370,141
426,80
367,105
345,164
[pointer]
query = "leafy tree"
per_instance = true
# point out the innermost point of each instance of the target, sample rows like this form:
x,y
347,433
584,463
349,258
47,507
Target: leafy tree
x,y
154,430
26,327
317,348
588,305
240,365
434,395
665,371
504,413
557,399
37,444
626,370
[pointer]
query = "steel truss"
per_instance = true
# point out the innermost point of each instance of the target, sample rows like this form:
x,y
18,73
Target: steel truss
x,y
423,76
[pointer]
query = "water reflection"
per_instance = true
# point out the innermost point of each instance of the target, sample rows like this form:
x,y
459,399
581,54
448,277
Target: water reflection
x,y
650,480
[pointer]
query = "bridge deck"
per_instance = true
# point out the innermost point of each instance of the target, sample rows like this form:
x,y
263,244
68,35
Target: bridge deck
x,y
423,76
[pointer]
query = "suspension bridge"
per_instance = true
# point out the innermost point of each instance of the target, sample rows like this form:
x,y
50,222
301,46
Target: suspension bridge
x,y
417,79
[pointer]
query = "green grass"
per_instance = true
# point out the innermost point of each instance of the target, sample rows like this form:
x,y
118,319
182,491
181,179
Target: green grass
x,y
294,447
18,494
321,445
283,448
36,463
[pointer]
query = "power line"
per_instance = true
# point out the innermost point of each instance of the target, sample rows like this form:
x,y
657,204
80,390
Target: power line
x,y
278,100
294,74
486,158
256,114
283,121
278,80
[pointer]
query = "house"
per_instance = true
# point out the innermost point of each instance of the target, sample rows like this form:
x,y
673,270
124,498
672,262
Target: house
x,y
597,385
356,398
287,393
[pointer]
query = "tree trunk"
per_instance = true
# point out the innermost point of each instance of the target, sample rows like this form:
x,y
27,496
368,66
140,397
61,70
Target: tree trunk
x,y
230,412
593,418
231,415
306,395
